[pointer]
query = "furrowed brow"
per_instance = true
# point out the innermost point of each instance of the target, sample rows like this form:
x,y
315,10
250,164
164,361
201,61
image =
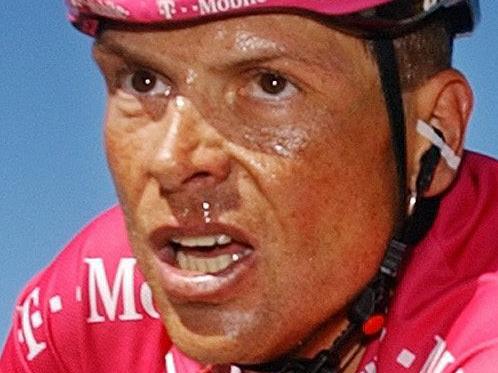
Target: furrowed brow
x,y
128,54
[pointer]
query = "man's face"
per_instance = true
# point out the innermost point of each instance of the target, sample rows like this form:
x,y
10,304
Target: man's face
x,y
252,158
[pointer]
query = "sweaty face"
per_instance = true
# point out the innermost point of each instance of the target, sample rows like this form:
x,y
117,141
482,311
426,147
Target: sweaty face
x,y
252,158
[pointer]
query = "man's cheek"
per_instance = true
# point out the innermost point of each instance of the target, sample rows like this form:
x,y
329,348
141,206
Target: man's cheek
x,y
124,180
124,159
307,197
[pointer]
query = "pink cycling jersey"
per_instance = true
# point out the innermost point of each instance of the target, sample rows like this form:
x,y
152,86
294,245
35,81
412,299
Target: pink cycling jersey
x,y
91,311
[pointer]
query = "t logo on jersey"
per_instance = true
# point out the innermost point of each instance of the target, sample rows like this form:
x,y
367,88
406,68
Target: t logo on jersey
x,y
29,322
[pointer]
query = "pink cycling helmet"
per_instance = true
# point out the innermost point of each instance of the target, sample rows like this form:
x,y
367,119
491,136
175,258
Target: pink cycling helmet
x,y
367,16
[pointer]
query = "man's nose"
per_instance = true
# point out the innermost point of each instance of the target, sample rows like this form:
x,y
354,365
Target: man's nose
x,y
190,151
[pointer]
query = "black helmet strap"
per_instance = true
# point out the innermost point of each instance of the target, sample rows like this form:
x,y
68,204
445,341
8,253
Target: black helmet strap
x,y
390,79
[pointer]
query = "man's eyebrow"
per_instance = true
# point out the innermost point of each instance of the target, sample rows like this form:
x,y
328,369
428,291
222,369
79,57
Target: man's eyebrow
x,y
255,57
135,55
265,56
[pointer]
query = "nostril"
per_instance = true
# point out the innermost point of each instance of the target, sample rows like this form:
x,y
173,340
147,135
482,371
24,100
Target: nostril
x,y
199,177
197,181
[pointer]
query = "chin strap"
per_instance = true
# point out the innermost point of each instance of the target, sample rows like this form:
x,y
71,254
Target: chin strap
x,y
326,361
366,315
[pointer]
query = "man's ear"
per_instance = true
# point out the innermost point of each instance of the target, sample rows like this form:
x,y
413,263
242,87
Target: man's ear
x,y
445,102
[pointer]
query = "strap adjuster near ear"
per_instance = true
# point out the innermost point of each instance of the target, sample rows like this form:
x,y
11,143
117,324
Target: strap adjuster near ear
x,y
452,160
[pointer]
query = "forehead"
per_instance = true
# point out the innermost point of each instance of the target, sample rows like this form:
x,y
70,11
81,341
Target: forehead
x,y
251,36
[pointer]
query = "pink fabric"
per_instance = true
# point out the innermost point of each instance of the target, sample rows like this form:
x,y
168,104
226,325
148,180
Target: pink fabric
x,y
87,331
85,13
91,311
445,310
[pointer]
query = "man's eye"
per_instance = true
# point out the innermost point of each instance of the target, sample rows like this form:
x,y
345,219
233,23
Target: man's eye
x,y
145,83
271,86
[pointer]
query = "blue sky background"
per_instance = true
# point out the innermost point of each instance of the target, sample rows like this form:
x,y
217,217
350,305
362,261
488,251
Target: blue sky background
x,y
53,173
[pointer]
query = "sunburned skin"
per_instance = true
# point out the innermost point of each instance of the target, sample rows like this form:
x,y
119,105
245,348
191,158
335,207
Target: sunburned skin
x,y
266,133
275,134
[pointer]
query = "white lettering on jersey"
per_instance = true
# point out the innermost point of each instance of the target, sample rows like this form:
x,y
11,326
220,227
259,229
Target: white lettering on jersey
x,y
406,358
55,304
146,299
32,321
370,368
98,287
439,358
170,363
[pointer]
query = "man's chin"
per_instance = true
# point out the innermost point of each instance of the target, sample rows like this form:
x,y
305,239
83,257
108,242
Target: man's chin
x,y
220,349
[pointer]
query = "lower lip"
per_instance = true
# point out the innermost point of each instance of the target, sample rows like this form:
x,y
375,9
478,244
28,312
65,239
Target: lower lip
x,y
184,286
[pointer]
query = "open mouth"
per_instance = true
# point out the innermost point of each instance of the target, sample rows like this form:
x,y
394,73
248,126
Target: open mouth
x,y
208,254
205,263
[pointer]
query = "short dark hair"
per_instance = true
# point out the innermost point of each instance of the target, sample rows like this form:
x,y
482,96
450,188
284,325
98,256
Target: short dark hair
x,y
423,53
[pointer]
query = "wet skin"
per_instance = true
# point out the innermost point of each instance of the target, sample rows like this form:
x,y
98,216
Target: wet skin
x,y
278,123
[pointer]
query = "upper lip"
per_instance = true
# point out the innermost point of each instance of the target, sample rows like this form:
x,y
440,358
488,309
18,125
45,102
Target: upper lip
x,y
161,236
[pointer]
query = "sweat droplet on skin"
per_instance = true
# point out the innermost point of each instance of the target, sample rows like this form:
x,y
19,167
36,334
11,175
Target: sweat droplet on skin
x,y
206,212
191,208
281,150
191,77
286,141
245,41
230,98
180,102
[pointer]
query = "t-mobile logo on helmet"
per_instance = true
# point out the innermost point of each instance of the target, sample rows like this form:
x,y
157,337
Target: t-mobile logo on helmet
x,y
105,8
216,6
167,8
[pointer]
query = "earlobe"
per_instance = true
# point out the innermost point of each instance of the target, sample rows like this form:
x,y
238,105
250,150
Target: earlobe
x,y
445,103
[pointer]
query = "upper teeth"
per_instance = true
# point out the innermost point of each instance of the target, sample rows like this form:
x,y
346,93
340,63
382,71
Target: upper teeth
x,y
203,241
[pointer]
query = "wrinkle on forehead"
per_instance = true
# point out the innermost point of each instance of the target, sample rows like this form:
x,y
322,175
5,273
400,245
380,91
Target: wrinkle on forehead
x,y
250,37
